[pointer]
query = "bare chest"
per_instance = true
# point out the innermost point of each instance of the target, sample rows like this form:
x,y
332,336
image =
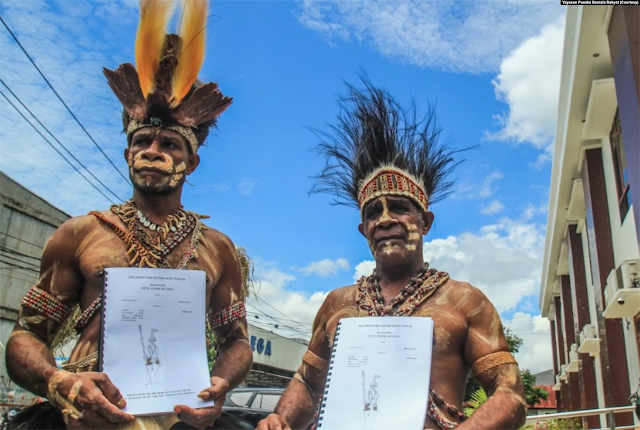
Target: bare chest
x,y
103,249
450,327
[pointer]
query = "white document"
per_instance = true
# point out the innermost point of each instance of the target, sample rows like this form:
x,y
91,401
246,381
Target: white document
x,y
379,374
153,338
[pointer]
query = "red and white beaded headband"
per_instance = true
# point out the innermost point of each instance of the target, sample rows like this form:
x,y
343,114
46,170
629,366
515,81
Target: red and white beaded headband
x,y
390,180
183,131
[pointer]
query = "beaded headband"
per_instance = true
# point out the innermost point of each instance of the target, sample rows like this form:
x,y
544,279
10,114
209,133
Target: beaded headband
x,y
390,180
185,132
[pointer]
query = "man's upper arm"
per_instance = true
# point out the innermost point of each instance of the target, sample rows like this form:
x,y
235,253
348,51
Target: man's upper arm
x,y
486,348
226,311
48,303
315,362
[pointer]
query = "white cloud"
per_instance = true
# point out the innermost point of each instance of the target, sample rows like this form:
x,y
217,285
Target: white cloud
x,y
492,208
480,191
221,187
364,268
246,186
295,310
461,36
535,353
529,82
325,267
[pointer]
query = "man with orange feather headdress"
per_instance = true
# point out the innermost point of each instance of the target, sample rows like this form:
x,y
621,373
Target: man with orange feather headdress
x,y
167,116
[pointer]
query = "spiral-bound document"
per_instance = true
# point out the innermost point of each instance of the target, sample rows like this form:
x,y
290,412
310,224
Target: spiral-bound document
x,y
153,338
378,375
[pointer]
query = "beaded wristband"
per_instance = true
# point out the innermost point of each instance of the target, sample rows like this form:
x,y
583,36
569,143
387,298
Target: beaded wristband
x,y
43,303
235,312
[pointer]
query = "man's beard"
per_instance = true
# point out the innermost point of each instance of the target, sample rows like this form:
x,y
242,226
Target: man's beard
x,y
154,189
166,185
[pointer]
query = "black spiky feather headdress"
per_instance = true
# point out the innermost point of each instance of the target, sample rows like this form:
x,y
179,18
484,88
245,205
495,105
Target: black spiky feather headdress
x,y
379,148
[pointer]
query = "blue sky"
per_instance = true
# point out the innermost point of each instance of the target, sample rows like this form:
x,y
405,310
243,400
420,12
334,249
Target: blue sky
x,y
492,67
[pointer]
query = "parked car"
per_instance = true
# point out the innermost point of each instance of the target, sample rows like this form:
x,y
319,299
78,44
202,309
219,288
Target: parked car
x,y
251,404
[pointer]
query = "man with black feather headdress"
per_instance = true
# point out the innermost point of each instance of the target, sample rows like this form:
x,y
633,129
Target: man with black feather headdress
x,y
390,165
167,116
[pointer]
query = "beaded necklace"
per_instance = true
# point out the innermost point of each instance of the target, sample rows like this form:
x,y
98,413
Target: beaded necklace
x,y
146,250
419,288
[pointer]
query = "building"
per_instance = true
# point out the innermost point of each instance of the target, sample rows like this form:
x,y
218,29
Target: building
x,y
590,287
26,223
275,358
545,380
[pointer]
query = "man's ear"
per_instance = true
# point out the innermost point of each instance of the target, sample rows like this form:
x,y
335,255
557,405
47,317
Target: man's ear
x,y
126,155
194,162
361,229
427,222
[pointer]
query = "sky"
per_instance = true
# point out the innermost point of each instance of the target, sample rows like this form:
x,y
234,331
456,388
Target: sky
x,y
491,68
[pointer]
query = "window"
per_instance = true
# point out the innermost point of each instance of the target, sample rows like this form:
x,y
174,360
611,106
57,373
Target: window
x,y
620,167
241,398
265,401
256,401
269,401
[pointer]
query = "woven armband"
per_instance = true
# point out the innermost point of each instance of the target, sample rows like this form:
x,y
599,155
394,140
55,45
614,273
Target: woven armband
x,y
43,303
235,312
490,361
315,361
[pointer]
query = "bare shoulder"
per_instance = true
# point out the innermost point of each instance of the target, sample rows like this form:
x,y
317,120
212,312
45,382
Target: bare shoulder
x,y
219,244
463,296
341,297
72,231
216,238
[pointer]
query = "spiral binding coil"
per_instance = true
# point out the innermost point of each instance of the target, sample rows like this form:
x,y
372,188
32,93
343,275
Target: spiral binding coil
x,y
103,322
323,399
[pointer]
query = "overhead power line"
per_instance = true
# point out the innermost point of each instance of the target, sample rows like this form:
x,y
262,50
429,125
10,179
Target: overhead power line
x,y
54,148
61,100
59,143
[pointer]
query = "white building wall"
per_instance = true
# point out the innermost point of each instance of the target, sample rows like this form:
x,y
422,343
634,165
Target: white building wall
x,y
271,349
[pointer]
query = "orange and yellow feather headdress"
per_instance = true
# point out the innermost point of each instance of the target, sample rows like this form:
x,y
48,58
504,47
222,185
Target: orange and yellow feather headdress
x,y
163,90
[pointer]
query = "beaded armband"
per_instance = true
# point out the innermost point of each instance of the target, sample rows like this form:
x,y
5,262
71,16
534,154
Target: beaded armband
x,y
490,361
315,361
43,303
235,312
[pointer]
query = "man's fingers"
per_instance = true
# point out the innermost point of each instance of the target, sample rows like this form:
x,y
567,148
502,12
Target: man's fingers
x,y
109,411
218,388
92,420
273,422
199,418
110,391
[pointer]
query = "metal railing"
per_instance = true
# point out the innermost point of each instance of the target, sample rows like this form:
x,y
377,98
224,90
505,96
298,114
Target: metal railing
x,y
608,412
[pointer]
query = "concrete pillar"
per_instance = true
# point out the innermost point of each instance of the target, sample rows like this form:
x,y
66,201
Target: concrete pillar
x,y
580,301
612,346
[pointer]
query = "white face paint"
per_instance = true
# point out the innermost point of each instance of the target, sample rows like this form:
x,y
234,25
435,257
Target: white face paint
x,y
413,235
170,177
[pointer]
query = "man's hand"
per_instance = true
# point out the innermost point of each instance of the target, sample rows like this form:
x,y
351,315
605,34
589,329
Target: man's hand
x,y
273,422
88,400
205,417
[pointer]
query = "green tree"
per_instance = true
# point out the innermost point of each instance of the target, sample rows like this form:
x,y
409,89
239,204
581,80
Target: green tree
x,y
532,394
